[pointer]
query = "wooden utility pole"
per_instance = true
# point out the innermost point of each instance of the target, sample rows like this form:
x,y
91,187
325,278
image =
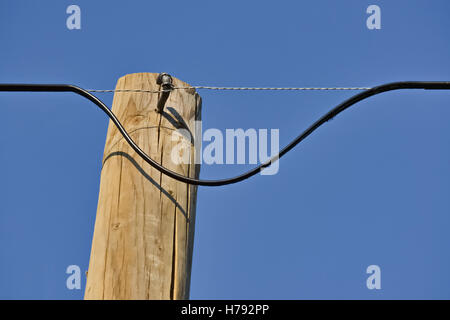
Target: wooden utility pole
x,y
144,229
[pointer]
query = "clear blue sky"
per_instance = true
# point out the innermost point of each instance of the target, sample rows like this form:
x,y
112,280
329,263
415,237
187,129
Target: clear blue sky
x,y
370,187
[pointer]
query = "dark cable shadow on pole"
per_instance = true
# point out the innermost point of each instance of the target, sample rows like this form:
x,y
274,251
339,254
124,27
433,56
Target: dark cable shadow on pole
x,y
147,176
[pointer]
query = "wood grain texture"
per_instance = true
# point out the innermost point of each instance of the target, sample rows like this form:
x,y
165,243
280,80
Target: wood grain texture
x,y
144,229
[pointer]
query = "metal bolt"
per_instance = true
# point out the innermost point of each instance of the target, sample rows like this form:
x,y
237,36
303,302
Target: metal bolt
x,y
166,82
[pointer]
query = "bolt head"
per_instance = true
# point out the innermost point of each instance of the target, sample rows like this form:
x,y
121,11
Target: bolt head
x,y
164,79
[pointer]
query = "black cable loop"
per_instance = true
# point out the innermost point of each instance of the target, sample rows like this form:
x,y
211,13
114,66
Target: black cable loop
x,y
427,85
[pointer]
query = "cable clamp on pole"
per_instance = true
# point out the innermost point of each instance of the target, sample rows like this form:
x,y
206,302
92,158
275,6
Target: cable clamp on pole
x,y
166,82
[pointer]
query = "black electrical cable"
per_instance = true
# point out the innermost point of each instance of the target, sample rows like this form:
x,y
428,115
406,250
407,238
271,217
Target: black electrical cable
x,y
428,85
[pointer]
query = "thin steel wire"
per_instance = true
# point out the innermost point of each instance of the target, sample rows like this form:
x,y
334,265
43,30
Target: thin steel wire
x,y
232,88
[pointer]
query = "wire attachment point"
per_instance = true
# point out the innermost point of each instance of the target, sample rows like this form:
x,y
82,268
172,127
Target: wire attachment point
x,y
166,82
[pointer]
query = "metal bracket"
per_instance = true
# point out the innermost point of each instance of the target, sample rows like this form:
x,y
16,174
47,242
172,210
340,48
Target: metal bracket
x,y
166,82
